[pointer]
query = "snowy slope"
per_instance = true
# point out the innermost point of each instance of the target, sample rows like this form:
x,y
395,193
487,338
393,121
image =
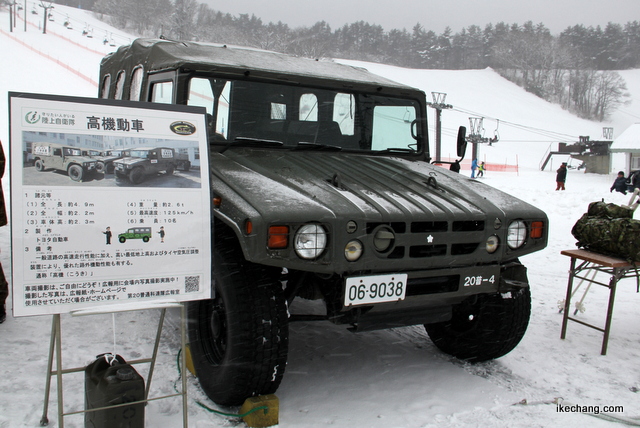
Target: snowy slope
x,y
391,378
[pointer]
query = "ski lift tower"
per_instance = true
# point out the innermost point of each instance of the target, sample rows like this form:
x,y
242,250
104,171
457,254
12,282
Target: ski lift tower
x,y
439,105
46,5
12,15
477,134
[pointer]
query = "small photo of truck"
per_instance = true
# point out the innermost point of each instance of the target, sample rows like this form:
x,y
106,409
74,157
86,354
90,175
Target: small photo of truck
x,y
142,162
63,158
143,233
104,160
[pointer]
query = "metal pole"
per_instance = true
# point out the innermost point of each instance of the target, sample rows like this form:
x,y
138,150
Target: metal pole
x,y
438,134
183,364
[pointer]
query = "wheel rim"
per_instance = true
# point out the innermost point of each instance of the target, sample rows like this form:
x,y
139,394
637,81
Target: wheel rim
x,y
217,331
75,173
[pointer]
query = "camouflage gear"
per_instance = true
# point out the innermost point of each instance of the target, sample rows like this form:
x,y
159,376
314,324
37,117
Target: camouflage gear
x,y
609,229
604,210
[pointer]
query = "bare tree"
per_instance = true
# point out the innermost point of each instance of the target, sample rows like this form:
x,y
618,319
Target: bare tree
x,y
182,19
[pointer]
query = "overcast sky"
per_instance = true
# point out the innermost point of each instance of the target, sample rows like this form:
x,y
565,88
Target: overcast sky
x,y
435,14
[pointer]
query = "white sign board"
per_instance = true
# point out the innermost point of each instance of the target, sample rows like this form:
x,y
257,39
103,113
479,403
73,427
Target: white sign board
x,y
109,203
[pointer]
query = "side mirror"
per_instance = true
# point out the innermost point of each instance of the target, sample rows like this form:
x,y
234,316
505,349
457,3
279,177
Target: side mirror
x,y
462,142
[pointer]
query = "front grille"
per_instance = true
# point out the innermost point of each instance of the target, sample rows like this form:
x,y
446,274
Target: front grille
x,y
420,251
424,239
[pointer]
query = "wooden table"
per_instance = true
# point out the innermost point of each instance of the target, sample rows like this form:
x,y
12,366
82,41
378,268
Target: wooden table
x,y
590,261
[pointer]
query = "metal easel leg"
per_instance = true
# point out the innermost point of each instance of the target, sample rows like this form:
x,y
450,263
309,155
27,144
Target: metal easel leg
x,y
55,344
44,421
183,364
59,371
155,352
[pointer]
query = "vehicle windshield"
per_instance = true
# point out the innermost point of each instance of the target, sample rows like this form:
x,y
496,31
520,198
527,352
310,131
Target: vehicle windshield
x,y
139,154
68,151
304,118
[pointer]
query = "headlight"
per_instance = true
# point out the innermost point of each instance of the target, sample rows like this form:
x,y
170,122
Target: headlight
x,y
310,241
492,244
353,250
516,234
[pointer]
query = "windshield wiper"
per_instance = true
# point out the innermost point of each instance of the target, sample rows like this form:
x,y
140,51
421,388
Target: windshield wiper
x,y
396,150
303,145
251,142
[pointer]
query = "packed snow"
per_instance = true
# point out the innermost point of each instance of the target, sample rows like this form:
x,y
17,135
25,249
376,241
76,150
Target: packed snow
x,y
389,378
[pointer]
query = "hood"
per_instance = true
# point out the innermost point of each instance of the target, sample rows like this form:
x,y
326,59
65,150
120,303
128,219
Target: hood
x,y
318,186
130,160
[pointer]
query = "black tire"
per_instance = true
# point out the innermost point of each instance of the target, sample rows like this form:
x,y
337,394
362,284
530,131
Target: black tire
x,y
170,170
122,239
485,326
239,339
145,239
100,167
39,165
136,176
75,172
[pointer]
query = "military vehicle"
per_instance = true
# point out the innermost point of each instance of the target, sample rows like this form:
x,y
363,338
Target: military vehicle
x,y
144,161
143,233
323,188
104,160
62,158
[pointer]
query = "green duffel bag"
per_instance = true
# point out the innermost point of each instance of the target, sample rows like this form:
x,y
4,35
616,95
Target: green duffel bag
x,y
618,237
608,210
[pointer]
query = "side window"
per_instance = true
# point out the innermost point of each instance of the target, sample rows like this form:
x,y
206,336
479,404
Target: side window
x,y
162,92
201,94
106,85
136,84
308,108
119,86
344,107
222,118
278,111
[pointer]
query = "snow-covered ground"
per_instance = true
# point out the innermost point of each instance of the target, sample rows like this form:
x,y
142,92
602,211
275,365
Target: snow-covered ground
x,y
390,378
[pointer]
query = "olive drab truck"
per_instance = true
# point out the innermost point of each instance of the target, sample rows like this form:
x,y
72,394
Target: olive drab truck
x,y
63,158
142,162
323,188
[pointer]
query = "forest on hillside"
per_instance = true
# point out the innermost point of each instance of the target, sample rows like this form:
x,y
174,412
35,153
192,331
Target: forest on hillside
x,y
576,68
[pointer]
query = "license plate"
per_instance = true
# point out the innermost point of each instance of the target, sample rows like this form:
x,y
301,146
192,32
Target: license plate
x,y
478,277
365,290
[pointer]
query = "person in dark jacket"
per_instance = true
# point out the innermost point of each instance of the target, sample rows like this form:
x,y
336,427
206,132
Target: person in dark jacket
x,y
620,184
455,166
561,176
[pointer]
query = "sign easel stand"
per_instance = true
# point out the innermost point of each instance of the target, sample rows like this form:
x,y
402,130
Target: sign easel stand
x,y
55,346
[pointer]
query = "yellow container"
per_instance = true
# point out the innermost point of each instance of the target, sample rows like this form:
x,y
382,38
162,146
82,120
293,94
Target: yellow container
x,y
261,418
